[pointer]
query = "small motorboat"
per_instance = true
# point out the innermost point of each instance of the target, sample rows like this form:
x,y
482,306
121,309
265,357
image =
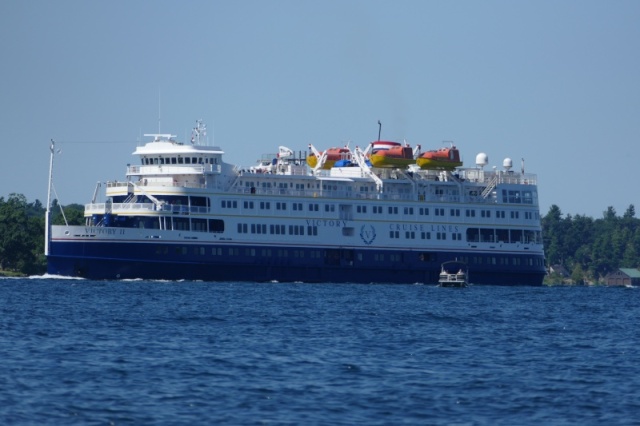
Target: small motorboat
x,y
443,159
454,273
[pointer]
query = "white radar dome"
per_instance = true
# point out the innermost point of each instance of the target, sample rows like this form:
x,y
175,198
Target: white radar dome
x,y
482,159
507,164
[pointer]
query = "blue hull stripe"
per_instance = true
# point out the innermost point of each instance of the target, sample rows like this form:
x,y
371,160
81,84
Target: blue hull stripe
x,y
114,260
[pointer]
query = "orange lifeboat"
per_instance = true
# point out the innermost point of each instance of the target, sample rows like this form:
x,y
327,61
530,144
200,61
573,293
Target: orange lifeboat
x,y
390,154
443,159
333,155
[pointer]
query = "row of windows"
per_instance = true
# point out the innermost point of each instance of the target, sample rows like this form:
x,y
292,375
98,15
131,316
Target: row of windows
x,y
517,197
199,225
411,235
489,235
422,211
475,235
146,161
261,228
335,256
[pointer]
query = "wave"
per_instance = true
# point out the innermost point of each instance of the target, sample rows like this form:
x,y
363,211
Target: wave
x,y
52,277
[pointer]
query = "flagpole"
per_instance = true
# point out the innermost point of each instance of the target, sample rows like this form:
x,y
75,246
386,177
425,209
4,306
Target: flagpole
x,y
47,216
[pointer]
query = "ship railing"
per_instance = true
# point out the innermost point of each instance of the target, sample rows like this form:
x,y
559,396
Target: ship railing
x,y
388,196
145,182
180,209
116,184
101,208
508,177
173,169
518,178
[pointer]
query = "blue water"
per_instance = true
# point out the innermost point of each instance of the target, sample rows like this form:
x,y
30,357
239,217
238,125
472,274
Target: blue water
x,y
87,352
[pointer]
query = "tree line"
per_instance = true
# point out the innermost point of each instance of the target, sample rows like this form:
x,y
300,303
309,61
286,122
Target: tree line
x,y
585,247
588,248
22,232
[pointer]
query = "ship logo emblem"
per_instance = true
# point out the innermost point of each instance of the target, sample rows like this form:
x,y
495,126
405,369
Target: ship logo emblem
x,y
368,234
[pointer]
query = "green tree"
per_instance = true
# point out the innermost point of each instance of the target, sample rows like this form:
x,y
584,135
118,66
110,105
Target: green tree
x,y
552,235
15,228
578,275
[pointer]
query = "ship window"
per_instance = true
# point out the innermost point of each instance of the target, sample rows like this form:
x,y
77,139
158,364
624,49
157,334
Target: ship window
x,y
199,225
180,223
514,197
502,235
217,225
516,235
529,236
427,257
486,235
180,160
473,235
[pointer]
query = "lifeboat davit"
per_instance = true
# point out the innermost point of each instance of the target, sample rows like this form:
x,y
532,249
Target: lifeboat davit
x,y
442,159
333,155
390,154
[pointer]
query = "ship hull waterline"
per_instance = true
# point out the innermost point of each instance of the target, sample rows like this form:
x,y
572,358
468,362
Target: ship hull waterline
x,y
116,260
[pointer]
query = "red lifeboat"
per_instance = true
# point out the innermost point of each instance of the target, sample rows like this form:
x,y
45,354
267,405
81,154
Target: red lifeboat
x,y
390,154
333,155
442,159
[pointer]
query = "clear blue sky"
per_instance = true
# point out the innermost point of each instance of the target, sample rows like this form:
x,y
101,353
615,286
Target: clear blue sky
x,y
554,82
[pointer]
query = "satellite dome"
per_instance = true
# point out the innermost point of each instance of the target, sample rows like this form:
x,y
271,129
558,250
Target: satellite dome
x,y
507,164
482,159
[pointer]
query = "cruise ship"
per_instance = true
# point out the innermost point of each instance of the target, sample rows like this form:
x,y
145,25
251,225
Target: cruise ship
x,y
182,213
